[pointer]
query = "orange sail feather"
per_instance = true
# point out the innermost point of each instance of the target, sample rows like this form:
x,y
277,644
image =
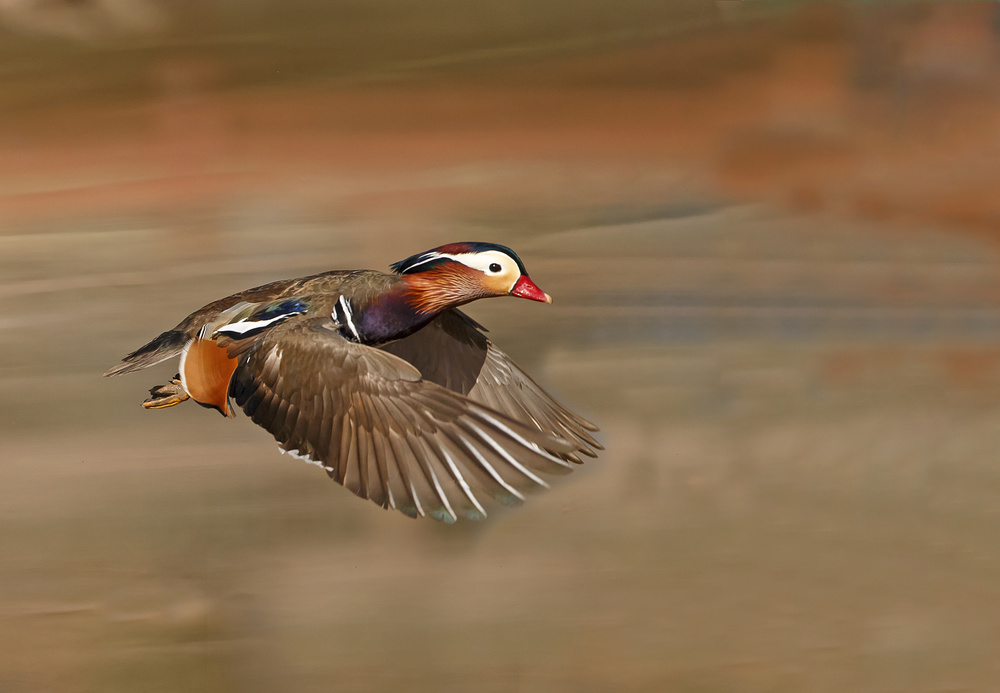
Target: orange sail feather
x,y
206,370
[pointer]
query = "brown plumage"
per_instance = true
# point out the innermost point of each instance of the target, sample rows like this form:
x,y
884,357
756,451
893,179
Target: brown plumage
x,y
377,378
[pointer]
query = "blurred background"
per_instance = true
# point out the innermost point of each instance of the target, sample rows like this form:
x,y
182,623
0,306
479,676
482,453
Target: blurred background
x,y
770,229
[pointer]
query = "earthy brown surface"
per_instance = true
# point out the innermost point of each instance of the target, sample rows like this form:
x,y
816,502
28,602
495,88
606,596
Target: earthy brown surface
x,y
771,241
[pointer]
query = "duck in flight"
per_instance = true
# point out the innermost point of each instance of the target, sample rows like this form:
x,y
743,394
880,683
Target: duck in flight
x,y
380,380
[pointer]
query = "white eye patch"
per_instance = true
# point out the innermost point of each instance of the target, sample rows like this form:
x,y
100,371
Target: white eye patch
x,y
484,260
479,261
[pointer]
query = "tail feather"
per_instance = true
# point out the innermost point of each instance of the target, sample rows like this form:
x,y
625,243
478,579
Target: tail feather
x,y
170,343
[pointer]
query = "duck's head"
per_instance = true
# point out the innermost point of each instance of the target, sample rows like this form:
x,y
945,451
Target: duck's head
x,y
457,273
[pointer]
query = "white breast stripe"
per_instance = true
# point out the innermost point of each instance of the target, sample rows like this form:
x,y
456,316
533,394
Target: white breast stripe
x,y
345,304
244,326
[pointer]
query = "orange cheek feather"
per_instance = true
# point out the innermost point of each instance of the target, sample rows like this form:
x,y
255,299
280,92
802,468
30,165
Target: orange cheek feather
x,y
206,371
437,289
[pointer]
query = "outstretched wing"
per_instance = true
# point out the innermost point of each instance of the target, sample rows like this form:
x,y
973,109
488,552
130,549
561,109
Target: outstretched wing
x,y
452,352
382,430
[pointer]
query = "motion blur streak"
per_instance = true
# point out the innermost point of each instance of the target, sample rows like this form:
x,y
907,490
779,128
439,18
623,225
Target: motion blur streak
x,y
770,232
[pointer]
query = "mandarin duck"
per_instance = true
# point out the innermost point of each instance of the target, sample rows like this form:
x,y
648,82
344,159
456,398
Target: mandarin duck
x,y
380,380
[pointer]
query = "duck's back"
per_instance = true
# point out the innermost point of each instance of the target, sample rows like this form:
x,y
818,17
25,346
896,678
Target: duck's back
x,y
327,285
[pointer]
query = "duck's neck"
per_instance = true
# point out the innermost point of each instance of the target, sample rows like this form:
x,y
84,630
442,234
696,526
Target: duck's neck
x,y
389,316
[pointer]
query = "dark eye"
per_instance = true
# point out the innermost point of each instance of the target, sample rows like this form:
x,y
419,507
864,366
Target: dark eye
x,y
495,267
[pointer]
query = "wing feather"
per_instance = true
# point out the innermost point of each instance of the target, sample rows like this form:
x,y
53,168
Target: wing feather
x,y
452,352
384,432
401,452
439,511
